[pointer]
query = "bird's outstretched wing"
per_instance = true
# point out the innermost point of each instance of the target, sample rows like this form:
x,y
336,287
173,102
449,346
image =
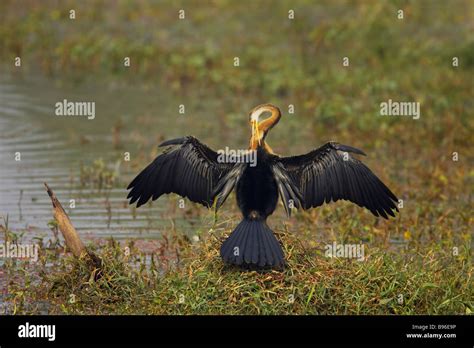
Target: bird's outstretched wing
x,y
331,173
188,168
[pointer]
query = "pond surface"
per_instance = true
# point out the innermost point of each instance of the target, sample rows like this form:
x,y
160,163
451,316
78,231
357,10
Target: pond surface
x,y
37,146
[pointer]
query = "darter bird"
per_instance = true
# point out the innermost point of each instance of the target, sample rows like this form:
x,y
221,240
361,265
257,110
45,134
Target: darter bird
x,y
191,169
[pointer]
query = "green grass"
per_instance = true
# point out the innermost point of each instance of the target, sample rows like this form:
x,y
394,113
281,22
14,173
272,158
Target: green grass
x,y
283,62
416,279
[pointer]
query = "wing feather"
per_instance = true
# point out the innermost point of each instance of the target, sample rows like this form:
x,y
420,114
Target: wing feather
x,y
188,168
330,173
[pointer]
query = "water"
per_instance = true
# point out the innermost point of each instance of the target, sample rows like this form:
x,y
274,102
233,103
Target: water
x,y
53,149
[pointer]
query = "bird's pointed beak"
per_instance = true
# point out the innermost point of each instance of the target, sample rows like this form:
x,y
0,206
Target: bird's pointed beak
x,y
256,132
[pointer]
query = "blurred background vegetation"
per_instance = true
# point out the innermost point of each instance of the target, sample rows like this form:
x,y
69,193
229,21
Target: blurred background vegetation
x,y
285,62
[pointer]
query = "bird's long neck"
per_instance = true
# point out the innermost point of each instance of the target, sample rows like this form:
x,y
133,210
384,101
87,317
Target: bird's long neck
x,y
260,131
268,123
254,145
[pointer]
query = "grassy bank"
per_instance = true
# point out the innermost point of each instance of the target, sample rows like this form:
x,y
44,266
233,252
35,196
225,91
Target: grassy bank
x,y
418,263
189,278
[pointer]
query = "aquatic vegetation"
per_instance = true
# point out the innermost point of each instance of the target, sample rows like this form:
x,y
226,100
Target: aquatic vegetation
x,y
97,175
425,255
428,279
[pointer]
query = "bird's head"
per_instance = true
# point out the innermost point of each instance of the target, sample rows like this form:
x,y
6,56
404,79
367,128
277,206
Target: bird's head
x,y
259,127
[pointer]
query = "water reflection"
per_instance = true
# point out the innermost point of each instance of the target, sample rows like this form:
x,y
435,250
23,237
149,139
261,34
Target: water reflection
x,y
37,146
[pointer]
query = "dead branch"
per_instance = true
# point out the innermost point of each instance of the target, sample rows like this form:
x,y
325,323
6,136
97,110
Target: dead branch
x,y
71,237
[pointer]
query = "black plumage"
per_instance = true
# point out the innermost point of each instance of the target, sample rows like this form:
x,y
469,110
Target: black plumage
x,y
189,168
329,173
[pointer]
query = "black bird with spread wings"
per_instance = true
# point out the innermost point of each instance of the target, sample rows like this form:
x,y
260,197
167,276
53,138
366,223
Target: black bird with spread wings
x,y
330,173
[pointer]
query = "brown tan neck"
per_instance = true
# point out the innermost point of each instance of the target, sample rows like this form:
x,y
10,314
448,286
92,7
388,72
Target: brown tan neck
x,y
268,148
259,134
268,123
254,145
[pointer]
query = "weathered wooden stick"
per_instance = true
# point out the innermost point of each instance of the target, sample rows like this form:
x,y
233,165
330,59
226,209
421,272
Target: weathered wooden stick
x,y
73,242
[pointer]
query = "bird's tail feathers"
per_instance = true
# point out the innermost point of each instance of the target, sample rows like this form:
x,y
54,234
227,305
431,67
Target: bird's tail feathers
x,y
253,244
